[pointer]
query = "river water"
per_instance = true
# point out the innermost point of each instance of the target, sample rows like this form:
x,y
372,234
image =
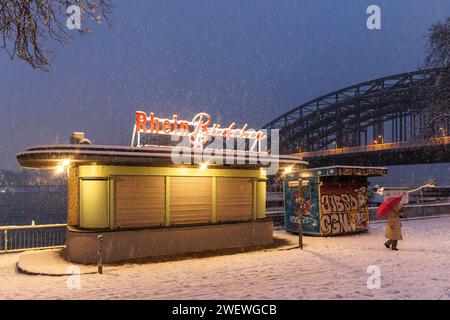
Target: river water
x,y
43,204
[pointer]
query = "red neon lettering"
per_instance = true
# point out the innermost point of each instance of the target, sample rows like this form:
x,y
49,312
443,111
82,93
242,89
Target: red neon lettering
x,y
166,126
202,127
227,132
260,135
175,124
201,131
154,123
184,127
141,120
244,133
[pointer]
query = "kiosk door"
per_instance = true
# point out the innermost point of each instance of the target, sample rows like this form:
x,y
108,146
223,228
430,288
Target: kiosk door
x,y
94,204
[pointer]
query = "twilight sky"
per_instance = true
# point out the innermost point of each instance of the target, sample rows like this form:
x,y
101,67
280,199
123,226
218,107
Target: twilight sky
x,y
243,61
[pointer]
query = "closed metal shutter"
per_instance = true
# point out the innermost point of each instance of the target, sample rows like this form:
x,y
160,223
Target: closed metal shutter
x,y
190,200
139,201
234,199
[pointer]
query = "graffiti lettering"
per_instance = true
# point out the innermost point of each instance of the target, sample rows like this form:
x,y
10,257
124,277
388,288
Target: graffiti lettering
x,y
362,171
338,203
361,194
305,220
339,223
344,210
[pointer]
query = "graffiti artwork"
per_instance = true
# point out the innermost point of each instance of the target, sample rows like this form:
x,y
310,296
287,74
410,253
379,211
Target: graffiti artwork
x,y
302,202
355,171
343,209
329,200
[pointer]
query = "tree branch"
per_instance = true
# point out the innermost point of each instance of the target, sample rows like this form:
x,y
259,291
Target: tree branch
x,y
27,26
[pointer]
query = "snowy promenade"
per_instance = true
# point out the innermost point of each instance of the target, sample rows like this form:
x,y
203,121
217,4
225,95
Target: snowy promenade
x,y
328,268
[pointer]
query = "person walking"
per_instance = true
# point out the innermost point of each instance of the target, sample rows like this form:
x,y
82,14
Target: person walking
x,y
392,208
394,227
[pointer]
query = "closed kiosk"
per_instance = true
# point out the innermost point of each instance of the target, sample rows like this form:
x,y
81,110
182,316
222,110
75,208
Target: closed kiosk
x,y
330,200
149,200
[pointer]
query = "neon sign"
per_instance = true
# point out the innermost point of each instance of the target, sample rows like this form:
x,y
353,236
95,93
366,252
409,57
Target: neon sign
x,y
199,130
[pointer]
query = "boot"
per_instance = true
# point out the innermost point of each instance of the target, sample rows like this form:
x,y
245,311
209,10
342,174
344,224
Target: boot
x,y
394,245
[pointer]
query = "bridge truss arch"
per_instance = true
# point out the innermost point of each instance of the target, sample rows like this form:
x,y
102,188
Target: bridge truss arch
x,y
389,109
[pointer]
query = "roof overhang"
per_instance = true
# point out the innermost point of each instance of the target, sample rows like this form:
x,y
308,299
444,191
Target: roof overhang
x,y
52,156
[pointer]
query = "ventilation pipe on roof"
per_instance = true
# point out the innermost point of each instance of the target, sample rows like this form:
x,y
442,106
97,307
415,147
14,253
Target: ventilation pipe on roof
x,y
79,138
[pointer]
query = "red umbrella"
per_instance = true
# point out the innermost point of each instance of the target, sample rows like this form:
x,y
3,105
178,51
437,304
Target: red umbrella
x,y
387,205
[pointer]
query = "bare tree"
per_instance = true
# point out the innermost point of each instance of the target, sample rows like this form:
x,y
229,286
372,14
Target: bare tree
x,y
28,27
438,56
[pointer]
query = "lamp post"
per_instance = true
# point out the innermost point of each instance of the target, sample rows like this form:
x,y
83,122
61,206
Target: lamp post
x,y
300,225
300,216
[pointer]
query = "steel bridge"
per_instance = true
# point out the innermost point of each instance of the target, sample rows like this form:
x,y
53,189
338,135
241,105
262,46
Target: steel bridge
x,y
391,109
433,150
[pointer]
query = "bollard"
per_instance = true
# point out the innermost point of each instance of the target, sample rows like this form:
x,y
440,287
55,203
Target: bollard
x,y
300,231
6,240
300,222
99,254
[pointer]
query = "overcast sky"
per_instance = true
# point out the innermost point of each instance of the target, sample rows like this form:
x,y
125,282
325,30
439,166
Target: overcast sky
x,y
243,61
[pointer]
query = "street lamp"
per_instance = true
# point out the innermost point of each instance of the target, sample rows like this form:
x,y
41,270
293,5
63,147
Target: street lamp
x,y
298,184
380,139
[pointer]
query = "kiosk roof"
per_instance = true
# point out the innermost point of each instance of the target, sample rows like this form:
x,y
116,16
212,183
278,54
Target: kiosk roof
x,y
340,170
50,156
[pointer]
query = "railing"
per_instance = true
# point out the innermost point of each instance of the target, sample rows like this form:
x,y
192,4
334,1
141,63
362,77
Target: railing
x,y
377,147
416,211
33,237
411,212
277,217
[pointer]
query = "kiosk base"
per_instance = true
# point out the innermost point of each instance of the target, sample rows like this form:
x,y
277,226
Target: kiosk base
x,y
122,245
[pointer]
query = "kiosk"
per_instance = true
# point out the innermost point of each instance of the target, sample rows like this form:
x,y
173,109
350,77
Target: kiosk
x,y
331,200
145,204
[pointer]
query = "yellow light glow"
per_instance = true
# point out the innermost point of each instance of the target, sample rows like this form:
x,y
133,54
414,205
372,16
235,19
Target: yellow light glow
x,y
65,163
305,174
60,169
288,170
203,166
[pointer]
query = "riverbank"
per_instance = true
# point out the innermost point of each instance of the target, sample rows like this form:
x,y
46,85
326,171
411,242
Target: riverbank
x,y
327,268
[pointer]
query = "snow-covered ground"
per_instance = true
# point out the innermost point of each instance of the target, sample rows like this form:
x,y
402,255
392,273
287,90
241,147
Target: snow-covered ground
x,y
327,268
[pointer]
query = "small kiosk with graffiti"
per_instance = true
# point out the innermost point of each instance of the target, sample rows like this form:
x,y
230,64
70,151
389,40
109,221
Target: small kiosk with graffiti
x,y
331,200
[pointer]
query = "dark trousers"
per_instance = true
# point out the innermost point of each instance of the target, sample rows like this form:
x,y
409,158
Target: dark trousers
x,y
392,243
